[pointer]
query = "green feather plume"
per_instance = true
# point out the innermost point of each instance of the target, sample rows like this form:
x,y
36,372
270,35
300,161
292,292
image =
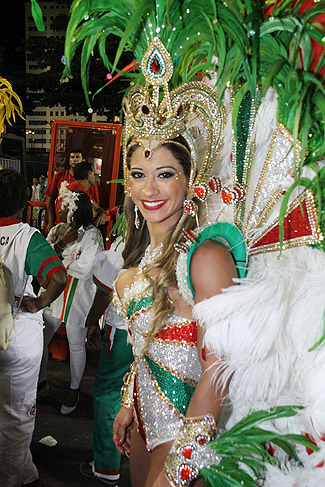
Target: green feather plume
x,y
256,44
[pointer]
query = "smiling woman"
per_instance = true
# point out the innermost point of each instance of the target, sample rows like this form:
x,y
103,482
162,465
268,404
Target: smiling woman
x,y
166,341
158,187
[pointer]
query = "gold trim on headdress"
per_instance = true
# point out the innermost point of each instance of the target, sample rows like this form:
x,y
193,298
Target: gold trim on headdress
x,y
154,116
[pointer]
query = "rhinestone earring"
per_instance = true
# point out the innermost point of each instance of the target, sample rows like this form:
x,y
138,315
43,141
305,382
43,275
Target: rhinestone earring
x,y
136,219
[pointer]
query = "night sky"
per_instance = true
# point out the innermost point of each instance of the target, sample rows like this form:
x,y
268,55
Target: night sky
x,y
12,35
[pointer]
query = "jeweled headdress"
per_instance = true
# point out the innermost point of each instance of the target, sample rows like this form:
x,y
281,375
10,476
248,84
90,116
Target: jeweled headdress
x,y
189,109
168,98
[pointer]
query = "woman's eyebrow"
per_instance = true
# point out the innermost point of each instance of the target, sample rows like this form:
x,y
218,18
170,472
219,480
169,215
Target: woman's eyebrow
x,y
166,167
137,168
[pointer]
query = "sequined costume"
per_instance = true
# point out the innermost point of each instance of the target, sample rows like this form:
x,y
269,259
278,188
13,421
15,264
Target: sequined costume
x,y
165,371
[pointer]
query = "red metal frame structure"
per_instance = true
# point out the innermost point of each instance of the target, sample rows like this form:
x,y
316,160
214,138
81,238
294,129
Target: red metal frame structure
x,y
94,138
116,129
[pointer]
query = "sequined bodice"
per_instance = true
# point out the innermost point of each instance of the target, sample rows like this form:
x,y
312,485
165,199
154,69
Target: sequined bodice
x,y
166,369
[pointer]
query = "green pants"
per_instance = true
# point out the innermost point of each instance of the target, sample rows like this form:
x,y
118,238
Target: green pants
x,y
114,363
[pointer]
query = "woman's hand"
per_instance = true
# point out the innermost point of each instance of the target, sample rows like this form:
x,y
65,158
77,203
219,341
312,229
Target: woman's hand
x,y
94,337
70,235
122,430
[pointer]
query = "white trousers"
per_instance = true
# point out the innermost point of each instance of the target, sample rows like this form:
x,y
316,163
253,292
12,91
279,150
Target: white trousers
x,y
19,368
77,347
50,326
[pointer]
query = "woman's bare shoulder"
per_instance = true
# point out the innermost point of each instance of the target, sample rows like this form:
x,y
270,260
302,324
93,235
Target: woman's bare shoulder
x,y
212,269
125,279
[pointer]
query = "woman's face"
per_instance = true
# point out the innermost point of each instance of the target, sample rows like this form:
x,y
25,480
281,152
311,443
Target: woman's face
x,y
63,213
158,186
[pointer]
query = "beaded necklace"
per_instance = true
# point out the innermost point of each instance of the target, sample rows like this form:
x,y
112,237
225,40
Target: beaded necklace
x,y
149,256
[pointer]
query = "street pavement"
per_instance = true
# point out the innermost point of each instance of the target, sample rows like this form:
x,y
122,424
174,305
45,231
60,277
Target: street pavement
x,y
59,465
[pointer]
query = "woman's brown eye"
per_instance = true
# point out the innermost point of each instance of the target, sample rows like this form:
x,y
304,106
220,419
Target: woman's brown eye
x,y
166,175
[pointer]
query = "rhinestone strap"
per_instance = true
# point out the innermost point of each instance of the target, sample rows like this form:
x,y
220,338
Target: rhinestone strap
x,y
127,389
181,466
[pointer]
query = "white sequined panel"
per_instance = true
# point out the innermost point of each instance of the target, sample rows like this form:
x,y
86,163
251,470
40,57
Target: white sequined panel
x,y
181,276
135,291
180,359
141,320
277,167
161,422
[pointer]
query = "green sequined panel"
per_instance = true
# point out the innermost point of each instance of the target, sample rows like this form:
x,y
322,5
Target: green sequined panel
x,y
178,392
136,306
242,135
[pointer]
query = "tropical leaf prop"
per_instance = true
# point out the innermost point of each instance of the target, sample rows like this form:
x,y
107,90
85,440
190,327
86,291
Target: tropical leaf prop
x,y
37,15
243,449
119,227
10,104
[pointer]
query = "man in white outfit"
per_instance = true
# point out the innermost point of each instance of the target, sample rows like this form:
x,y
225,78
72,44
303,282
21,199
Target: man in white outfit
x,y
29,255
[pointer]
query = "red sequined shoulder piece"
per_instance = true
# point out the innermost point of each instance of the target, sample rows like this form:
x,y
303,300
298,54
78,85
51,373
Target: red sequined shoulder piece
x,y
186,333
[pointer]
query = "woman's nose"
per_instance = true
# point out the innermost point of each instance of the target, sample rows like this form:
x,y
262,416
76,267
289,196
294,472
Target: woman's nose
x,y
150,187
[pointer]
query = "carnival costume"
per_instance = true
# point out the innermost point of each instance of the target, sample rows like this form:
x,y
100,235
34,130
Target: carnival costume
x,y
165,372
257,177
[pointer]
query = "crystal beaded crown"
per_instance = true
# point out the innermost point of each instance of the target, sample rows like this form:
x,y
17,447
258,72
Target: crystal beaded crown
x,y
154,116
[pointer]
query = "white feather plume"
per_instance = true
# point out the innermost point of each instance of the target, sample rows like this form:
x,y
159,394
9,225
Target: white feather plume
x,y
264,328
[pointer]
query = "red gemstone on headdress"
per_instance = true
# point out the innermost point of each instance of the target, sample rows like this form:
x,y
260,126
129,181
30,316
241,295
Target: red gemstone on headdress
x,y
189,235
155,66
186,473
202,441
187,453
227,195
145,110
180,110
215,184
240,190
147,153
201,191
190,207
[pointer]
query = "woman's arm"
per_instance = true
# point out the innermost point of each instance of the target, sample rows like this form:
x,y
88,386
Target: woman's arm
x,y
212,269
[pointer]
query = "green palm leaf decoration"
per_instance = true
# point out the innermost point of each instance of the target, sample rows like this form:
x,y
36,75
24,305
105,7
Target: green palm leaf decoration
x,y
243,451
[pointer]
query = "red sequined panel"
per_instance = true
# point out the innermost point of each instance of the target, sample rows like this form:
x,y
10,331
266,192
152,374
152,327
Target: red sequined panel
x,y
186,333
296,226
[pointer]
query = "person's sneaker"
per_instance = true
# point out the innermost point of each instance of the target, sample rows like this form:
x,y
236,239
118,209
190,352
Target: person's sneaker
x,y
42,389
86,470
68,408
